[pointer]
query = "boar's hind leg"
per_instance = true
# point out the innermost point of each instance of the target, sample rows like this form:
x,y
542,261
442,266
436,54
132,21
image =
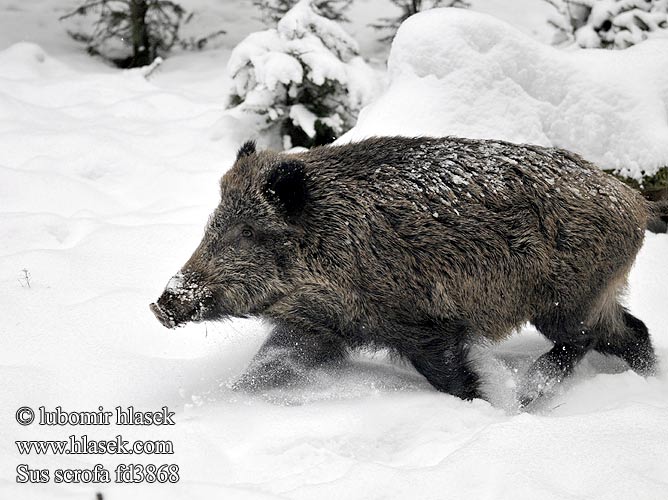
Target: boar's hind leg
x,y
441,356
287,355
616,332
630,342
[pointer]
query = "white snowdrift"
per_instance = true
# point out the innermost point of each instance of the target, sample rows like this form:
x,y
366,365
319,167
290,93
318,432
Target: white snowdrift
x,y
458,72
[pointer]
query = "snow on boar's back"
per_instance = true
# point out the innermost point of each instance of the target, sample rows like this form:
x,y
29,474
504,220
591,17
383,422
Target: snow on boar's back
x,y
422,246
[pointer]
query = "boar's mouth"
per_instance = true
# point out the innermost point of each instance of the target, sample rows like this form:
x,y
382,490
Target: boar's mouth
x,y
180,304
173,319
166,318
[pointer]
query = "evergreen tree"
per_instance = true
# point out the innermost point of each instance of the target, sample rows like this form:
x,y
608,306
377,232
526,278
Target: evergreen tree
x,y
133,33
302,82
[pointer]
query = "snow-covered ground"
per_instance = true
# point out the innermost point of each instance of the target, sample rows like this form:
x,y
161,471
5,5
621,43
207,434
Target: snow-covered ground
x,y
106,181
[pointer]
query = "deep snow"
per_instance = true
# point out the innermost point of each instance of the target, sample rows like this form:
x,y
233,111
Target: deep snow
x,y
106,181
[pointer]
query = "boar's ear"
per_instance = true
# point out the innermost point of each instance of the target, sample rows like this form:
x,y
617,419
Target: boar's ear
x,y
286,186
246,149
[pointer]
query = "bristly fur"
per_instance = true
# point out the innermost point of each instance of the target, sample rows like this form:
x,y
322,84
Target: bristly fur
x,y
423,246
247,148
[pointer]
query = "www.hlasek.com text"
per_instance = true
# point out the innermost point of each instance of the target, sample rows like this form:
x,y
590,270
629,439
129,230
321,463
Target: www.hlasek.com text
x,y
82,445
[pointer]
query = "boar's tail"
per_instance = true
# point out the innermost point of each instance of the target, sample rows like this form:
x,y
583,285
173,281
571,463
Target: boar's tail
x,y
658,218
660,208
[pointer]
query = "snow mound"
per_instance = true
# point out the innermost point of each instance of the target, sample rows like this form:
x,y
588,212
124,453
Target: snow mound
x,y
457,72
26,60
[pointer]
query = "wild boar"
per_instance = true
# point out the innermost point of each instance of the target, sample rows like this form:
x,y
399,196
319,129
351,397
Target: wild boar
x,y
423,246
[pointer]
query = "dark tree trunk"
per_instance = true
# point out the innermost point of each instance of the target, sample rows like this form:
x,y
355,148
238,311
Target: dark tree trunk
x,y
141,49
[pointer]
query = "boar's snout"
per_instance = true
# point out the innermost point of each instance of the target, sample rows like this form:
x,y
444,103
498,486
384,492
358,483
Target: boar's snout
x,y
179,304
163,316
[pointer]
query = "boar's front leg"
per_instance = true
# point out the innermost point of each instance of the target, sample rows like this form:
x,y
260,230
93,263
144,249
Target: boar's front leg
x,y
287,355
548,371
572,340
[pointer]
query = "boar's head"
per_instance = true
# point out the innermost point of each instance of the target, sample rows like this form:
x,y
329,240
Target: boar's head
x,y
247,259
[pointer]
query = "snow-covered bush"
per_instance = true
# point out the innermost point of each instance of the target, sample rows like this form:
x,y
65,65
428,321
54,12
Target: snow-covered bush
x,y
407,8
614,24
303,81
273,10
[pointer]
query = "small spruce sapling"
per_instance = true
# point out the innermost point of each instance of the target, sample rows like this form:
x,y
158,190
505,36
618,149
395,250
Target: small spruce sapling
x,y
302,82
273,10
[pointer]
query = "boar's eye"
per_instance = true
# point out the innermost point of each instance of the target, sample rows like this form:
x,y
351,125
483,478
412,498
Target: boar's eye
x,y
247,232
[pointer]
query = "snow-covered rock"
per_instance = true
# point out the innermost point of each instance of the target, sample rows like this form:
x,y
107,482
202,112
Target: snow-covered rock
x,y
457,72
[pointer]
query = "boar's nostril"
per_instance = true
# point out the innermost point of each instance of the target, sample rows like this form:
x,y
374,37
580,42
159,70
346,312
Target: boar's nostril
x,y
164,317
